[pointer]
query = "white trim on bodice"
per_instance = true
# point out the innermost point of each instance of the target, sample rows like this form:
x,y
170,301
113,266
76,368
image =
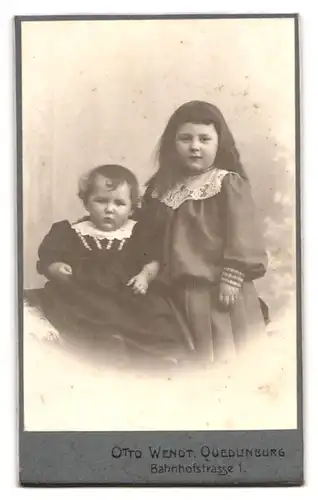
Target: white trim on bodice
x,y
87,228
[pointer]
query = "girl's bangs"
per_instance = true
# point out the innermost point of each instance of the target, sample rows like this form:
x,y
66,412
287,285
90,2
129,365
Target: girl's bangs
x,y
198,114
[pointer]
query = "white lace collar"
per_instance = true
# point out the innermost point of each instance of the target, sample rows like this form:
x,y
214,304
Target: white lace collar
x,y
197,187
87,228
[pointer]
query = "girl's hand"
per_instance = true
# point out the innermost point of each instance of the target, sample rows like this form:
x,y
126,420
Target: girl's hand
x,y
228,294
60,271
139,283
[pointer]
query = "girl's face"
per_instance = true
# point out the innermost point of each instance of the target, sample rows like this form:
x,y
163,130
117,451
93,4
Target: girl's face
x,y
197,145
109,209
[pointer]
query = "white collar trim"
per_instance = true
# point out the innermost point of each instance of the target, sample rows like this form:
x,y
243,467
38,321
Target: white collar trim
x,y
199,187
87,228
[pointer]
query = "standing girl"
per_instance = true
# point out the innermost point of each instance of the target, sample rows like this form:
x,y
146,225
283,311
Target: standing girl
x,y
199,208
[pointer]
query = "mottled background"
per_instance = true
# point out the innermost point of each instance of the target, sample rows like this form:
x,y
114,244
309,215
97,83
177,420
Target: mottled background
x,y
95,92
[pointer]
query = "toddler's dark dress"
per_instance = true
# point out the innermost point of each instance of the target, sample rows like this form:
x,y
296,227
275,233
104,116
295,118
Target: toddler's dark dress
x,y
96,303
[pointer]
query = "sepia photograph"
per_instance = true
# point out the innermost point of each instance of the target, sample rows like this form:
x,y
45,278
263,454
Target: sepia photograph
x,y
159,224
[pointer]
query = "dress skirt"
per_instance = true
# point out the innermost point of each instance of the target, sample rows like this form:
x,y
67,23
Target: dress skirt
x,y
148,325
219,333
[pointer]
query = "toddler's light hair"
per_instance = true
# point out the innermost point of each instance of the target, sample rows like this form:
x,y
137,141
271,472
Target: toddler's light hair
x,y
115,174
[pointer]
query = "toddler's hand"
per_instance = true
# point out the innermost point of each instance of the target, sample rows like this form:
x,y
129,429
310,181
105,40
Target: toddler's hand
x,y
60,270
228,294
139,283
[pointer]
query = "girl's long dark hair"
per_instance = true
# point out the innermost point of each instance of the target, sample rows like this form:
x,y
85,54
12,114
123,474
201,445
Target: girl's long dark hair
x,y
227,157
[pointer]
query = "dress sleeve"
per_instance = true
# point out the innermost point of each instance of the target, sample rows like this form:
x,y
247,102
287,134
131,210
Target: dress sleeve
x,y
244,255
147,235
55,247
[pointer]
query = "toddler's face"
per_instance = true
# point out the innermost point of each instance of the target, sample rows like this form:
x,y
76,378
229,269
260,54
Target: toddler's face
x,y
109,208
197,145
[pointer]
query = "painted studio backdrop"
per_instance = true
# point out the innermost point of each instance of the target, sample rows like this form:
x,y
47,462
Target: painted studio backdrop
x,y
96,92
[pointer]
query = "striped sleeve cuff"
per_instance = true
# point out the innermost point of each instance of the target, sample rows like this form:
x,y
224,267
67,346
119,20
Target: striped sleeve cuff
x,y
232,277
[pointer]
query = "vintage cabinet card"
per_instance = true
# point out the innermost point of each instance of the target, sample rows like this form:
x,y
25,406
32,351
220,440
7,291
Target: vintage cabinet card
x,y
159,250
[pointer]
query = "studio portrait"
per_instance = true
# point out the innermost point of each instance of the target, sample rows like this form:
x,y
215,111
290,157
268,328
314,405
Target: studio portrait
x,y
159,187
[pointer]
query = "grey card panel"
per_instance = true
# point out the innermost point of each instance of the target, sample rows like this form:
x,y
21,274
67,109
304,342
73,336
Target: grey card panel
x,y
207,458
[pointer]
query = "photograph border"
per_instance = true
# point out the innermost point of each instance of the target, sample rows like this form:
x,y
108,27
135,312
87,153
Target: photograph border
x,y
87,455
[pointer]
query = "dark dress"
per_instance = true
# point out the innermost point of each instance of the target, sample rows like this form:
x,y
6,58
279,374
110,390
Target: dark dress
x,y
96,303
202,233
